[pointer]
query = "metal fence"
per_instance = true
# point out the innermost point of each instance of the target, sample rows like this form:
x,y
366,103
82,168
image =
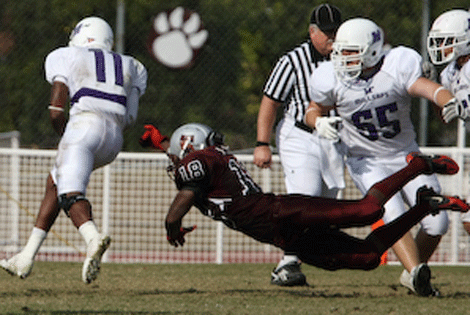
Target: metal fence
x,y
131,196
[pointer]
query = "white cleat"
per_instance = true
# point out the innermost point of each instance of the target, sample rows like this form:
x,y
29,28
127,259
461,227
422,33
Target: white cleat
x,y
95,250
406,280
18,265
419,281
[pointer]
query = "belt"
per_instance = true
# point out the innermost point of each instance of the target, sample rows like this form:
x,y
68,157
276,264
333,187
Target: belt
x,y
303,126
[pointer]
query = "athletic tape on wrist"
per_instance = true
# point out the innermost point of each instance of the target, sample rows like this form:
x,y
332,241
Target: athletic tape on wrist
x,y
435,93
56,108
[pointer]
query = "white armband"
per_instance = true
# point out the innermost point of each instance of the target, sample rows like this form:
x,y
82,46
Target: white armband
x,y
55,108
435,93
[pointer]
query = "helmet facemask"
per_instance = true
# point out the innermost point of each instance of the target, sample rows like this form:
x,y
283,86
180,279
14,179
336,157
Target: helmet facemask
x,y
348,61
446,48
449,37
357,47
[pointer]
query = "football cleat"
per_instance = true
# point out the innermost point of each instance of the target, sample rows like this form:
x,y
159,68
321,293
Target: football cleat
x,y
440,164
419,281
288,275
18,265
440,202
92,264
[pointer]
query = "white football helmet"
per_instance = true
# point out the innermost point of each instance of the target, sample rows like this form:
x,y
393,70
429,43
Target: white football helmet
x,y
193,137
92,32
449,37
363,40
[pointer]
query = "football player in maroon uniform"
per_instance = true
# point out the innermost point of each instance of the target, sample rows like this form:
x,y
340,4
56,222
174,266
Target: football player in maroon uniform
x,y
213,180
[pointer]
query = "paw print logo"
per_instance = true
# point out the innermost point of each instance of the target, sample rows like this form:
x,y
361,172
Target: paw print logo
x,y
177,37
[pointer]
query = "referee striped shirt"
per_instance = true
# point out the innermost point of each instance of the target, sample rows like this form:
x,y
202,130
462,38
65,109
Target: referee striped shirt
x,y
288,82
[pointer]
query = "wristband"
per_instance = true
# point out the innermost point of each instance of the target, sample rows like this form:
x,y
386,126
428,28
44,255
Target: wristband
x,y
262,144
435,93
56,108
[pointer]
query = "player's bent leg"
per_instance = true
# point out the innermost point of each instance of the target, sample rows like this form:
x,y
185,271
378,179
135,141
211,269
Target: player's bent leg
x,y
309,211
332,249
417,164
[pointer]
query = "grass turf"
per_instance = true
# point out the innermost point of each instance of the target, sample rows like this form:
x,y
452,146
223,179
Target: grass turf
x,y
56,288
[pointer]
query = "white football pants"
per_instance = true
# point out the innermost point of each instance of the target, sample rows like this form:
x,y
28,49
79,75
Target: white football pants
x,y
312,166
89,142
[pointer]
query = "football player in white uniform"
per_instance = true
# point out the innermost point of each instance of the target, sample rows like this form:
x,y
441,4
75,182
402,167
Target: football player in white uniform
x,y
312,165
449,42
371,90
104,89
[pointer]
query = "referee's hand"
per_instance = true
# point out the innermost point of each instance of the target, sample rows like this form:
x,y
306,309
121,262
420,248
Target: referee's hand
x,y
262,156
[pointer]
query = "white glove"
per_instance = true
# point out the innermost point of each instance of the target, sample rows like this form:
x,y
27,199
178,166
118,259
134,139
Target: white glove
x,y
328,127
454,109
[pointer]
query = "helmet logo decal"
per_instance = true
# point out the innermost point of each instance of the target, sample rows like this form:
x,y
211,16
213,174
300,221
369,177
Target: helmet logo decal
x,y
375,36
77,29
186,143
368,90
185,139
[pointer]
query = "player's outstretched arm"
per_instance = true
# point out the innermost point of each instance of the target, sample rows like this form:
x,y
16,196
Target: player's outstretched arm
x,y
179,207
451,107
153,138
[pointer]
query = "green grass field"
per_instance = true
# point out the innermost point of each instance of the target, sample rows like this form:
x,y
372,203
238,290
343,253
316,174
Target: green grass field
x,y
56,288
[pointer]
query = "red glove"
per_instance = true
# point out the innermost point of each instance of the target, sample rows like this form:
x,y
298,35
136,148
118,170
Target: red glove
x,y
179,239
152,138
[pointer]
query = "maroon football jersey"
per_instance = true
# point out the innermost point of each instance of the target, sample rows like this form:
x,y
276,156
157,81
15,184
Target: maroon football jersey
x,y
226,192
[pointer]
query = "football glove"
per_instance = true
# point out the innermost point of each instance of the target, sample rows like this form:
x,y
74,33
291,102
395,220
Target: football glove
x,y
179,240
454,109
152,138
328,127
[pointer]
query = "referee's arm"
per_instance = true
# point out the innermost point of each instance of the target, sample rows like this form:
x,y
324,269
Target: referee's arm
x,y
266,119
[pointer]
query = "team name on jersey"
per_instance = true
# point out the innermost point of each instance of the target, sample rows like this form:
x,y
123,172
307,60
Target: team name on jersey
x,y
371,97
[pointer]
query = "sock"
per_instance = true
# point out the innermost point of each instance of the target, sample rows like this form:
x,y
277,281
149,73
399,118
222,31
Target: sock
x,y
34,243
88,231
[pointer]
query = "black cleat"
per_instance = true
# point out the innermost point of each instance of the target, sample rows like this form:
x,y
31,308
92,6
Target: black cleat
x,y
288,276
440,202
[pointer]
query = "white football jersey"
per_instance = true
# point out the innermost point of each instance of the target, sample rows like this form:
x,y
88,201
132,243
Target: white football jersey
x,y
98,80
458,82
375,112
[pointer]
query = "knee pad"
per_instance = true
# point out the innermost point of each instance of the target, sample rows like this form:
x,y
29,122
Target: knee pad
x,y
65,202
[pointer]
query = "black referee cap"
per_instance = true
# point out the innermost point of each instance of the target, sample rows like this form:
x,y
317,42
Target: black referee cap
x,y
327,17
